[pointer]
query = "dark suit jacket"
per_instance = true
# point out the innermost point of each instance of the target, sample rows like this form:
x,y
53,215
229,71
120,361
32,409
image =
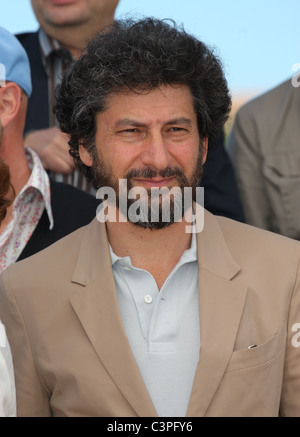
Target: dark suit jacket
x,y
71,208
221,195
38,105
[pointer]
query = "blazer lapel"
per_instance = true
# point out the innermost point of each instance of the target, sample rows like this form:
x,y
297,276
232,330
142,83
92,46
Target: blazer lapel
x,y
221,302
97,308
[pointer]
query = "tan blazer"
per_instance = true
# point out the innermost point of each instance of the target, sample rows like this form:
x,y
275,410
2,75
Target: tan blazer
x,y
265,148
72,357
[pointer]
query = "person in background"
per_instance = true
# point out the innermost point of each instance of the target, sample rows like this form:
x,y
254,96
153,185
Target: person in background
x,y
145,312
43,211
65,29
7,380
264,148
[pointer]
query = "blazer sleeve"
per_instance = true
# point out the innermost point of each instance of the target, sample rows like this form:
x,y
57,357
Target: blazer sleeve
x,y
31,396
244,151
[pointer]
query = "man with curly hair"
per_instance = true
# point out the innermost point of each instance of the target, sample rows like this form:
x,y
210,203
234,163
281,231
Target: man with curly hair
x,y
157,308
65,29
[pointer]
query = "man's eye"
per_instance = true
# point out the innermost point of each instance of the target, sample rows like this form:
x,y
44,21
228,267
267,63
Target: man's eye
x,y
131,134
128,131
177,129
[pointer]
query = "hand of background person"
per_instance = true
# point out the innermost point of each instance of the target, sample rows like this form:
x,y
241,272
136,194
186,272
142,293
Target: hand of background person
x,y
52,147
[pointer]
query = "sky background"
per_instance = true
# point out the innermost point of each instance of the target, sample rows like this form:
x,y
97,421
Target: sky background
x,y
257,40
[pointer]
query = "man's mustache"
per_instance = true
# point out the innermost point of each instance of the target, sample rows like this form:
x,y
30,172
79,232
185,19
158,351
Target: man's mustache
x,y
149,173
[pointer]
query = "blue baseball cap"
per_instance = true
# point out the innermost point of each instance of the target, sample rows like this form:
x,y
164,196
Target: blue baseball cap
x,y
14,63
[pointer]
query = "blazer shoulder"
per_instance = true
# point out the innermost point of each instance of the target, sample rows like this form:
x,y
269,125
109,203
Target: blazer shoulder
x,y
57,258
71,206
61,192
258,242
28,39
71,209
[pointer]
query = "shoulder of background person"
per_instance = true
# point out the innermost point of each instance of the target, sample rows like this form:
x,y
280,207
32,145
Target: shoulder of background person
x,y
29,40
71,209
267,103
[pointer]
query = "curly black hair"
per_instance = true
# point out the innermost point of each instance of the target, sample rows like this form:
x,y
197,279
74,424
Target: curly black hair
x,y
139,55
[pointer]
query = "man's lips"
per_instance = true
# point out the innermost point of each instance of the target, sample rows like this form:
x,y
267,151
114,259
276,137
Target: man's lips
x,y
153,182
62,2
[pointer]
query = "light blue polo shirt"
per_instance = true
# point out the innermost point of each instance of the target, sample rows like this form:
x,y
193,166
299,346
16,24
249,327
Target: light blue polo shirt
x,y
162,327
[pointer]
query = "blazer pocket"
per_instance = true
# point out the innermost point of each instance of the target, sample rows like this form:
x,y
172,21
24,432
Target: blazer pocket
x,y
258,355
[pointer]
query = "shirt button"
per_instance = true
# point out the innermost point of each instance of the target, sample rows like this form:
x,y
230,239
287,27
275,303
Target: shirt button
x,y
148,298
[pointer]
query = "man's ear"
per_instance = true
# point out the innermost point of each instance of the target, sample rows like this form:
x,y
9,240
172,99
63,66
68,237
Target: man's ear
x,y
204,149
10,101
85,156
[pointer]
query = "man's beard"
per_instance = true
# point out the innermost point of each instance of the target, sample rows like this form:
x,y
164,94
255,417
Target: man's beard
x,y
176,206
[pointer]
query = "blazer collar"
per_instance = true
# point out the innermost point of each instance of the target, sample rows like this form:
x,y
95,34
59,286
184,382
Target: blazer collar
x,y
221,302
212,249
213,252
93,258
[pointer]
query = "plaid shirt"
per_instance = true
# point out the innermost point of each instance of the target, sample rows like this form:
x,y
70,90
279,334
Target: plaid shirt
x,y
56,59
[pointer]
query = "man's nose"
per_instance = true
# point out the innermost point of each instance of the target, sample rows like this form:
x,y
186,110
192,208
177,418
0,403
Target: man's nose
x,y
155,153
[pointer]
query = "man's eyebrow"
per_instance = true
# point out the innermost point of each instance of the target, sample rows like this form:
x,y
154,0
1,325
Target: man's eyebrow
x,y
180,120
132,122
129,122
